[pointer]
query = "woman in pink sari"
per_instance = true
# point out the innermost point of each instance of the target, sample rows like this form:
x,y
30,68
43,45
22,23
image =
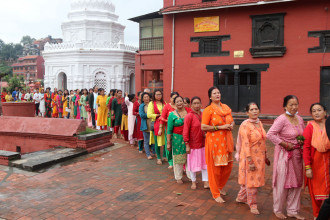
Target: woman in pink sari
x,y
77,103
288,162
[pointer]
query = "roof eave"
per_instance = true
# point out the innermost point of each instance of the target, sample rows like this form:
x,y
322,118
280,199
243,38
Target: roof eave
x,y
225,6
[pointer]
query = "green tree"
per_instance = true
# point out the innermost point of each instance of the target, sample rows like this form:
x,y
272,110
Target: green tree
x,y
5,69
27,40
15,82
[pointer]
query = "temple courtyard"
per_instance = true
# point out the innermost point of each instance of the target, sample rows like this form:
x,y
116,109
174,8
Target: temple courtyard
x,y
120,183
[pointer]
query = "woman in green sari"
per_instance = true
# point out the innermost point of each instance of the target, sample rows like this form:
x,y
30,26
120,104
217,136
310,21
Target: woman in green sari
x,y
175,139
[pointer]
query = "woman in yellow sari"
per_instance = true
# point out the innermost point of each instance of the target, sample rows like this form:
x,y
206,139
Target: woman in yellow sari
x,y
218,124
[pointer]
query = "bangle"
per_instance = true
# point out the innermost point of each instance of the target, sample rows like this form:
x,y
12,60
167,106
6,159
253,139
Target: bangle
x,y
308,167
215,128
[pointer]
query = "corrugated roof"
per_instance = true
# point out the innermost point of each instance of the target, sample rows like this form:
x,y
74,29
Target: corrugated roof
x,y
216,5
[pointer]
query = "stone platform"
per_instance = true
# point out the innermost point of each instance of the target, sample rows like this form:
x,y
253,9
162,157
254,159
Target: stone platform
x,y
42,159
27,135
7,156
19,109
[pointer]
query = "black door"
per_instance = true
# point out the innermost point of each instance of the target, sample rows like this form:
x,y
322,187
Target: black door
x,y
325,86
226,85
248,88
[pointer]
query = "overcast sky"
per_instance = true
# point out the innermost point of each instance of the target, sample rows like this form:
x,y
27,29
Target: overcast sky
x,y
40,18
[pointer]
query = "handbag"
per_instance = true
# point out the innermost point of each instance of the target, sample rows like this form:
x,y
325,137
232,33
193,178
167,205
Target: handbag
x,y
87,108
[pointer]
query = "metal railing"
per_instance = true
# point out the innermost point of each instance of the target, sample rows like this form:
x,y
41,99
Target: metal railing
x,y
154,43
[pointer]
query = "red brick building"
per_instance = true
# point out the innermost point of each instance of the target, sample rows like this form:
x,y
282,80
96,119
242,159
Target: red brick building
x,y
32,65
252,50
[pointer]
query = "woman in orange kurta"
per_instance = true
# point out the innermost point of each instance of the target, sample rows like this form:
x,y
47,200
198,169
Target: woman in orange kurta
x,y
54,101
316,156
251,154
218,124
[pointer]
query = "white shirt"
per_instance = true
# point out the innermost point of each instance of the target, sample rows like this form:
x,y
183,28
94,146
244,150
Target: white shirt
x,y
36,98
27,97
95,97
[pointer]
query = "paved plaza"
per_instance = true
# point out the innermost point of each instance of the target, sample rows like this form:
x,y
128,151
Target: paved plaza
x,y
120,183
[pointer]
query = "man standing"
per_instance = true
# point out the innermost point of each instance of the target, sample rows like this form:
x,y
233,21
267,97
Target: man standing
x,y
92,103
14,94
36,99
324,213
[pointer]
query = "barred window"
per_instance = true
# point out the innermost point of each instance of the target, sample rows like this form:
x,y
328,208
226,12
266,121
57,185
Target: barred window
x,y
151,34
210,46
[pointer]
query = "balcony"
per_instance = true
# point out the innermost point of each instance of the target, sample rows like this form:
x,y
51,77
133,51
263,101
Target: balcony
x,y
153,43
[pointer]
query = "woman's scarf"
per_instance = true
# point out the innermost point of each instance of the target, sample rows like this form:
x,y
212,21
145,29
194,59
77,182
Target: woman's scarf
x,y
227,118
239,141
320,138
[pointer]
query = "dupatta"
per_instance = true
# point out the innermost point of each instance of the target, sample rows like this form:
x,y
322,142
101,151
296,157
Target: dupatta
x,y
227,118
320,138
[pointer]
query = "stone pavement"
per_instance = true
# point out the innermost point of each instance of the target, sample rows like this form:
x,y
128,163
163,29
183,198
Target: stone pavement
x,y
120,183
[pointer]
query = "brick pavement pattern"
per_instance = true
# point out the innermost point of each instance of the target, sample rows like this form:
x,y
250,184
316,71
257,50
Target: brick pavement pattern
x,y
123,184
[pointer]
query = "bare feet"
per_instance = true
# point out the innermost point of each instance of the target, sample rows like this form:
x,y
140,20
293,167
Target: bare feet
x,y
193,185
223,192
115,136
159,162
220,200
150,158
140,152
297,216
170,167
206,185
255,211
179,181
280,215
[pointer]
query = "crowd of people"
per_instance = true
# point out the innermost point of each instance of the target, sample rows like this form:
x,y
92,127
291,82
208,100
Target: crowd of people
x,y
193,140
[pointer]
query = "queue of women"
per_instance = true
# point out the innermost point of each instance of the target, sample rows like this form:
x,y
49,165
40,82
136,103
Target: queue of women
x,y
191,140
194,141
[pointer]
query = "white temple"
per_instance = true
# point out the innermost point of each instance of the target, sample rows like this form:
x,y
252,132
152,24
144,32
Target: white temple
x,y
93,50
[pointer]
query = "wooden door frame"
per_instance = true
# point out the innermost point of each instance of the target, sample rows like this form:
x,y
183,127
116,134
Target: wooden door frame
x,y
237,68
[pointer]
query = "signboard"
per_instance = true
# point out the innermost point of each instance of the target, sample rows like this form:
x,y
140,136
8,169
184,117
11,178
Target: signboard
x,y
238,53
206,24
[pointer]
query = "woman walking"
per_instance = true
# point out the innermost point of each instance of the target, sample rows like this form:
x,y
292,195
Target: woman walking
x,y
65,103
168,108
129,100
194,139
145,125
116,112
48,100
288,163
157,136
59,104
175,141
84,103
252,157
316,156
218,124
42,107
138,133
102,110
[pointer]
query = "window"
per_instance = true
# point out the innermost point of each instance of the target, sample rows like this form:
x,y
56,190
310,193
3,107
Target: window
x,y
268,35
151,34
324,45
152,79
209,0
210,46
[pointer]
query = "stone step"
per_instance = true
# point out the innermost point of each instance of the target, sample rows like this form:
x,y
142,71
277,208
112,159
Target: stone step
x,y
42,159
7,156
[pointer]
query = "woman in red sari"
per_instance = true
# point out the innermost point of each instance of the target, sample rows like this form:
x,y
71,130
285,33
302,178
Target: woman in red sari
x,y
138,134
3,95
218,124
316,156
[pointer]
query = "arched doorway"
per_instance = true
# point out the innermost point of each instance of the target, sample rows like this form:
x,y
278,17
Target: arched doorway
x,y
101,81
62,81
132,83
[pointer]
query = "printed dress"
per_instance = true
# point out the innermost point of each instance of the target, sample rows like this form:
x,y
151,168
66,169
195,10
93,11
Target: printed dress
x,y
175,128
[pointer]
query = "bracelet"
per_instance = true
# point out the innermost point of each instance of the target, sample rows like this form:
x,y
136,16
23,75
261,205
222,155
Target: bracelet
x,y
215,128
308,167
